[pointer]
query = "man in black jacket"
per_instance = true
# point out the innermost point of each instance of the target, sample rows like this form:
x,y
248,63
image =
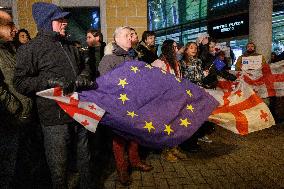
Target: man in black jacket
x,y
95,51
49,60
146,49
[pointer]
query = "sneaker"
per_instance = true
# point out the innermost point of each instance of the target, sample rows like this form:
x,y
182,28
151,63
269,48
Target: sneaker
x,y
205,139
169,156
178,153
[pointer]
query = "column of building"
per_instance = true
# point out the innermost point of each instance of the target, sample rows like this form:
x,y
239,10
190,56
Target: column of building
x,y
260,26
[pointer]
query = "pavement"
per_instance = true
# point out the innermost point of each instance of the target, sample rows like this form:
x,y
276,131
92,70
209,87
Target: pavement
x,y
230,161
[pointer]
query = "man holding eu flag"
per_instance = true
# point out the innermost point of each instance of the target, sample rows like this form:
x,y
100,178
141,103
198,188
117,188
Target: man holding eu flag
x,y
121,53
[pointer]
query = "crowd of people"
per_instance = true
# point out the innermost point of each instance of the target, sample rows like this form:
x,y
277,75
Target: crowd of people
x,y
43,135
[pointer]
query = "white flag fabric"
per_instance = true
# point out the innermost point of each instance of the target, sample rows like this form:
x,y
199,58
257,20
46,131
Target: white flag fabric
x,y
266,82
241,110
87,114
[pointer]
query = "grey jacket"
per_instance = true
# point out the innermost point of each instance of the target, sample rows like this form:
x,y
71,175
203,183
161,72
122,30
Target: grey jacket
x,y
118,56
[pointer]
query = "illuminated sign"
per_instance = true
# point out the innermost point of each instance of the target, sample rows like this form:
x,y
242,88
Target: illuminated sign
x,y
229,27
224,3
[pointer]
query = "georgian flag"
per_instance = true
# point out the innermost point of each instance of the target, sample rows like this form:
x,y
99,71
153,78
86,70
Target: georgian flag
x,y
87,114
266,82
241,110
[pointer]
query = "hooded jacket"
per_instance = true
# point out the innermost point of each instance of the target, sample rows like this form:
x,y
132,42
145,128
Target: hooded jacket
x,y
45,13
47,56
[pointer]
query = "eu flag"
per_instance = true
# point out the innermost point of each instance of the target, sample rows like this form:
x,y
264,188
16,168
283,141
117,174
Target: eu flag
x,y
150,106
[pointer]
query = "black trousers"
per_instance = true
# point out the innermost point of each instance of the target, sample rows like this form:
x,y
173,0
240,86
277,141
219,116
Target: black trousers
x,y
9,141
67,154
31,167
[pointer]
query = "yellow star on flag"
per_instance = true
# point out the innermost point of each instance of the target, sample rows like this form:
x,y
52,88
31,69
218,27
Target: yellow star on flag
x,y
122,82
148,66
168,129
178,79
123,98
190,107
189,93
131,114
134,69
184,122
149,126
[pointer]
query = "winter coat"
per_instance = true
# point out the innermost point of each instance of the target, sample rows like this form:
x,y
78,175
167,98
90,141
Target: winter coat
x,y
145,54
93,56
117,57
47,56
192,70
9,104
205,56
17,104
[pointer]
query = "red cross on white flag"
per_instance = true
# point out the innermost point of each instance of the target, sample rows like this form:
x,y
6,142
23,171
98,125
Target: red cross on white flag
x,y
87,114
241,110
268,81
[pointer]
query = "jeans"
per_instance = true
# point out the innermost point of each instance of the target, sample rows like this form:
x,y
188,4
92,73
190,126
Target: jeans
x,y
67,154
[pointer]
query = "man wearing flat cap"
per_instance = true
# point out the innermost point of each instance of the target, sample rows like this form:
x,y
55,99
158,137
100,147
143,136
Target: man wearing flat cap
x,y
47,61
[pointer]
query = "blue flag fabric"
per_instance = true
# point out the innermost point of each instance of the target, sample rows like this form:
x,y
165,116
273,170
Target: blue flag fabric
x,y
219,64
150,106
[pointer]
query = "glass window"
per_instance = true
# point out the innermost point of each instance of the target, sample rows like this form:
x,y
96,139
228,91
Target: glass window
x,y
222,7
168,13
277,32
82,19
181,35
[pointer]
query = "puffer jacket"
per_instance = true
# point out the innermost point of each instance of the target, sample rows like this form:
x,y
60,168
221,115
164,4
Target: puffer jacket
x,y
47,56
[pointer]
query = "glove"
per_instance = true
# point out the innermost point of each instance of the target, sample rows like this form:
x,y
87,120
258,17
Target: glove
x,y
67,86
84,82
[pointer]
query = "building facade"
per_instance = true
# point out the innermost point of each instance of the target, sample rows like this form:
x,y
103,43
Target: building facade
x,y
85,14
225,20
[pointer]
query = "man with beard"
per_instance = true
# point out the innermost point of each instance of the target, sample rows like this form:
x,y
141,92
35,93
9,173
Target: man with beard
x,y
249,52
95,51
